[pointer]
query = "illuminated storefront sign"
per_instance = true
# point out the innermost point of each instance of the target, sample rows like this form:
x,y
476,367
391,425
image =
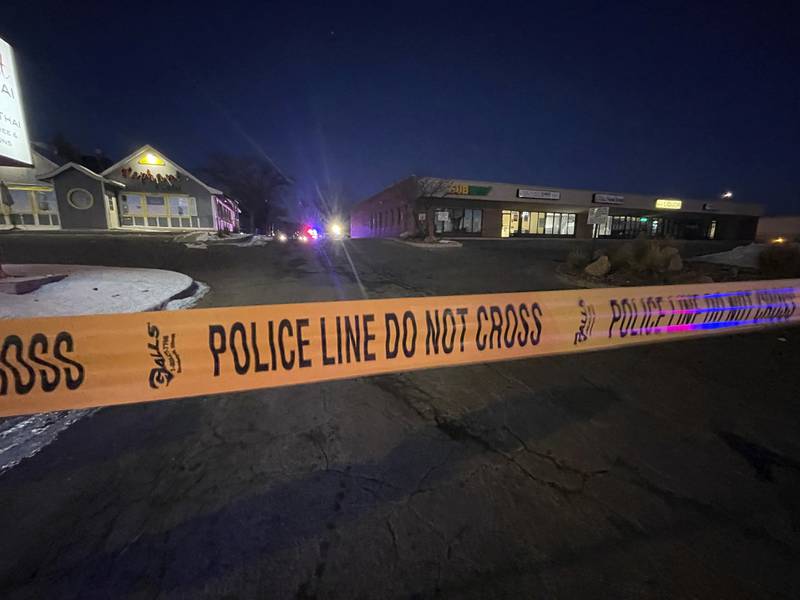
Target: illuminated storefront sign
x,y
152,159
669,203
463,189
172,180
608,199
539,194
15,147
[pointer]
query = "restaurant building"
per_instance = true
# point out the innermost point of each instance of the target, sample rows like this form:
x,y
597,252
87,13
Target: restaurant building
x,y
467,208
145,191
27,201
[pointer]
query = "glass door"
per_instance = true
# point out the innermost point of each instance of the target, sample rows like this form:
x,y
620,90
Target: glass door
x,y
505,224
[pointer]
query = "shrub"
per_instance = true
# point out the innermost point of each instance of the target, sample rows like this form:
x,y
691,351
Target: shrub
x,y
621,256
577,259
780,260
642,255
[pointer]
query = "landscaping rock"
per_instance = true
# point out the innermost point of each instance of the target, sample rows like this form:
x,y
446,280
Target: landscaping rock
x,y
598,268
675,263
668,251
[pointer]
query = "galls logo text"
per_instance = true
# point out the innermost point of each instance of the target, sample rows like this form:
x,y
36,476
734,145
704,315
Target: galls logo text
x,y
166,360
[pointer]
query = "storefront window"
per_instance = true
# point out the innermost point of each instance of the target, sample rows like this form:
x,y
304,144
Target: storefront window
x,y
31,207
22,201
458,220
161,211
538,223
526,222
46,201
548,224
132,204
156,206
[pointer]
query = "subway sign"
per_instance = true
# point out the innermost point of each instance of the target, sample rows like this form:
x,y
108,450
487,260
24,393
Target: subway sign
x,y
463,189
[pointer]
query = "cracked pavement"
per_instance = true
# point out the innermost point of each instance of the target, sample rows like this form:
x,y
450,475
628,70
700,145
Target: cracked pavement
x,y
662,471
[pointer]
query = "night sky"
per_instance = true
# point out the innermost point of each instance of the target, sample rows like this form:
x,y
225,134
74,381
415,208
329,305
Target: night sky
x,y
684,99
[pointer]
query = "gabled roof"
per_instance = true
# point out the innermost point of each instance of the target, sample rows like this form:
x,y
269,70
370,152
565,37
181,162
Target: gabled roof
x,y
85,170
149,148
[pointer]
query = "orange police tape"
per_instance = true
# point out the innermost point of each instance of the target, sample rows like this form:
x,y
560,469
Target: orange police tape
x,y
63,363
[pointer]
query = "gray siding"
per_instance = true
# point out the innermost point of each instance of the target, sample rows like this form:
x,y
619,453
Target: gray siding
x,y
185,185
71,217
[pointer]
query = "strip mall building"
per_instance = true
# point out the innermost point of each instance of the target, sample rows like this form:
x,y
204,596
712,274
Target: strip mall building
x,y
466,208
145,191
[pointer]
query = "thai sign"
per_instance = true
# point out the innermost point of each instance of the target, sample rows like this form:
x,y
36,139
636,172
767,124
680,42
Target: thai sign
x,y
15,147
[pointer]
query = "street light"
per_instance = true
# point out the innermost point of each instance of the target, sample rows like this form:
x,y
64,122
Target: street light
x,y
727,195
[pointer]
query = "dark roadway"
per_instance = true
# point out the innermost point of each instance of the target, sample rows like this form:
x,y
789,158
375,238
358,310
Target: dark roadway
x,y
664,471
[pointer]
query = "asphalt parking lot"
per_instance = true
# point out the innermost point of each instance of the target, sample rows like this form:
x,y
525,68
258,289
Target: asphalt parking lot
x,y
664,471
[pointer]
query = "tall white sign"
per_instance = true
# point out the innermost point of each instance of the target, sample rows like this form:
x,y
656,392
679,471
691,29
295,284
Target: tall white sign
x,y
15,148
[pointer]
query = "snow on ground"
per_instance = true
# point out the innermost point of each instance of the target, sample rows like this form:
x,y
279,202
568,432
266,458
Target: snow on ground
x,y
202,240
86,290
741,256
255,240
92,290
207,236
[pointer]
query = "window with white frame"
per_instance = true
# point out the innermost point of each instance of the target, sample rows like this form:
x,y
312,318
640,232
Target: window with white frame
x,y
159,211
30,207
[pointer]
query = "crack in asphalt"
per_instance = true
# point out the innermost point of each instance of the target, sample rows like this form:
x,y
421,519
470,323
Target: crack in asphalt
x,y
422,402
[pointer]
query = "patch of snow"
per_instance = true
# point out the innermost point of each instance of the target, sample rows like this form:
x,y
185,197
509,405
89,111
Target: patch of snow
x,y
188,302
195,236
431,245
197,246
23,437
254,240
209,237
92,290
85,290
741,256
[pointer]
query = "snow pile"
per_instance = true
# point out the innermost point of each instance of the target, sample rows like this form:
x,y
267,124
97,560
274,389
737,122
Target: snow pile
x,y
209,237
23,437
92,290
86,290
741,256
195,236
240,240
255,240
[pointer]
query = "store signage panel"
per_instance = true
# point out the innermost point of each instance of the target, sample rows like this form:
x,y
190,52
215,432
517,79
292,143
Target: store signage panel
x,y
463,189
15,148
608,199
669,203
597,215
539,194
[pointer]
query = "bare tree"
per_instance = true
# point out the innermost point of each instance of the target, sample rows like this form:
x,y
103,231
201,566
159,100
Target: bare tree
x,y
431,190
255,182
66,150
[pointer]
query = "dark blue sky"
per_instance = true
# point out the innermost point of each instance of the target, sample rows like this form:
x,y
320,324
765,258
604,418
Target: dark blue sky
x,y
685,99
